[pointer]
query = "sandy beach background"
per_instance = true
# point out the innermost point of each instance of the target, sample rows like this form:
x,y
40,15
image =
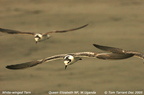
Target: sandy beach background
x,y
117,23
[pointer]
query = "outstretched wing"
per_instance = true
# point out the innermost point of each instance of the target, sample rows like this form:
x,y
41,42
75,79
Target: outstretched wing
x,y
9,31
137,54
34,63
61,31
110,49
113,56
84,54
48,59
24,65
119,51
105,56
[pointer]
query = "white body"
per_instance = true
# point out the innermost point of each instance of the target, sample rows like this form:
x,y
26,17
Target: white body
x,y
40,37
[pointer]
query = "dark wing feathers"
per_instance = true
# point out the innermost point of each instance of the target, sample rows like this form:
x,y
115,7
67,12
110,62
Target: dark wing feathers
x,y
32,63
113,56
61,31
110,49
119,51
138,54
24,65
9,31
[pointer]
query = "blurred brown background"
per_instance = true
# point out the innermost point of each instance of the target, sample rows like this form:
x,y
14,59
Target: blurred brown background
x,y
117,23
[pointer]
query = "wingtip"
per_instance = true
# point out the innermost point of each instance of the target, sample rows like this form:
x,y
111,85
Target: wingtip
x,y
8,67
95,45
85,25
11,67
24,65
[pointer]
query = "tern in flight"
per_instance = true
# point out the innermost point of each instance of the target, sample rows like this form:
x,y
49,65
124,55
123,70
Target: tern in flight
x,y
39,36
70,58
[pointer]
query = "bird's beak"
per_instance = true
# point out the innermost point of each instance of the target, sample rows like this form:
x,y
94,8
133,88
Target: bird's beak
x,y
65,67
